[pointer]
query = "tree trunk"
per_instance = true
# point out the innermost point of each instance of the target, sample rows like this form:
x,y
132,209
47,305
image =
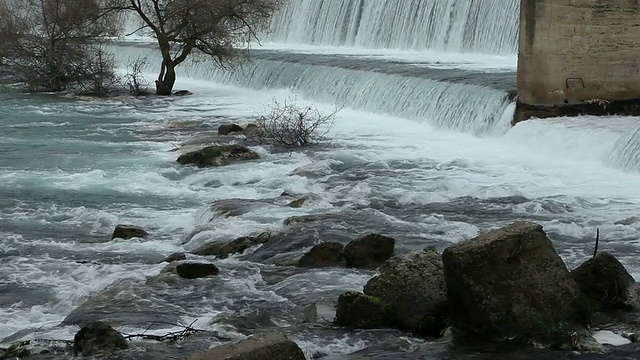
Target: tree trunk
x,y
167,77
166,80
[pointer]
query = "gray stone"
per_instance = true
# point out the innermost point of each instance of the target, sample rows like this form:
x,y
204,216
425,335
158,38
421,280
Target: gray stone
x,y
128,232
223,249
218,156
192,270
258,347
175,257
607,283
97,337
414,286
359,311
229,128
369,251
507,282
322,255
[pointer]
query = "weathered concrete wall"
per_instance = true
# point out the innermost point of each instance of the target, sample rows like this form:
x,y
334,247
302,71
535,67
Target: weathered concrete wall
x,y
576,51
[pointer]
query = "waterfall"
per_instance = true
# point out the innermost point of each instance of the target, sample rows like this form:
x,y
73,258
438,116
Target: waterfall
x,y
626,151
481,26
462,107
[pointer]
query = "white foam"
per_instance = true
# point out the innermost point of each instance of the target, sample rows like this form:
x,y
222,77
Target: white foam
x,y
606,337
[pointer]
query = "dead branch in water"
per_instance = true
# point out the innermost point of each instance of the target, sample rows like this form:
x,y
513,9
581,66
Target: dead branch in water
x,y
595,251
171,336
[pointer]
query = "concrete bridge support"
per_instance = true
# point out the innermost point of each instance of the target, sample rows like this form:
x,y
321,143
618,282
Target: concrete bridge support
x,y
578,57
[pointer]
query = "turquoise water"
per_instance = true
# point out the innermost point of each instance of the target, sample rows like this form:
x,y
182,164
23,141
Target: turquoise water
x,y
73,168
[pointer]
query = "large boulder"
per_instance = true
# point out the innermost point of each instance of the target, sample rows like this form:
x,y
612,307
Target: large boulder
x,y
218,155
257,347
322,255
508,282
360,311
414,286
605,281
97,337
369,251
127,232
223,249
193,270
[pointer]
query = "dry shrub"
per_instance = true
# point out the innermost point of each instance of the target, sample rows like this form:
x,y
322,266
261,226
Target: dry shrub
x,y
290,124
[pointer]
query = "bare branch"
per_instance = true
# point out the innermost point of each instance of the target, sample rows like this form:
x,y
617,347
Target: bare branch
x,y
289,124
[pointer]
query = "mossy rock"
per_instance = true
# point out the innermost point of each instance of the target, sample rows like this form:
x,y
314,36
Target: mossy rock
x,y
360,311
218,156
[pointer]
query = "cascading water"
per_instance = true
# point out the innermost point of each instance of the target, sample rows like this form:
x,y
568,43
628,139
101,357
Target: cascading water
x,y
469,108
626,152
482,26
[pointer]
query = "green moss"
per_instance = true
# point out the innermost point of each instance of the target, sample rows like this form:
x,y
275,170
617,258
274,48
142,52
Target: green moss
x,y
380,302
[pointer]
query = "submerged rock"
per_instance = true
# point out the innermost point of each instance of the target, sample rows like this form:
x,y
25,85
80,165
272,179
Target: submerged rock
x,y
192,270
127,232
506,283
218,156
294,220
175,257
414,286
223,249
98,337
322,255
229,128
360,311
605,281
369,251
298,202
258,347
182,93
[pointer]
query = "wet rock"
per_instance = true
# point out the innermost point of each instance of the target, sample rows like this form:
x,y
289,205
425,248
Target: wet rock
x,y
128,232
192,270
310,314
218,156
628,221
322,255
298,202
16,351
97,337
229,128
508,282
414,286
257,347
294,220
182,93
223,249
607,283
369,251
175,257
360,311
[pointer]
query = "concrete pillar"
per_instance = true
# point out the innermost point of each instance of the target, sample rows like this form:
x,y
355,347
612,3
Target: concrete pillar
x,y
577,53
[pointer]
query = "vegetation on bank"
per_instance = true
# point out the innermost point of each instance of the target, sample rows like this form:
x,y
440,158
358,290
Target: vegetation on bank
x,y
60,45
57,45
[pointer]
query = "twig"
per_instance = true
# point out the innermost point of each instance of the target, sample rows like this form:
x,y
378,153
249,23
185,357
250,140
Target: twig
x,y
595,251
171,336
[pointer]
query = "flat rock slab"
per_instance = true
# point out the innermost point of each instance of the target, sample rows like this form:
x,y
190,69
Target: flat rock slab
x,y
270,346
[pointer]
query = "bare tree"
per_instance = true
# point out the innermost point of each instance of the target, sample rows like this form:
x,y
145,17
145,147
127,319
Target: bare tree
x,y
216,28
289,124
50,44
